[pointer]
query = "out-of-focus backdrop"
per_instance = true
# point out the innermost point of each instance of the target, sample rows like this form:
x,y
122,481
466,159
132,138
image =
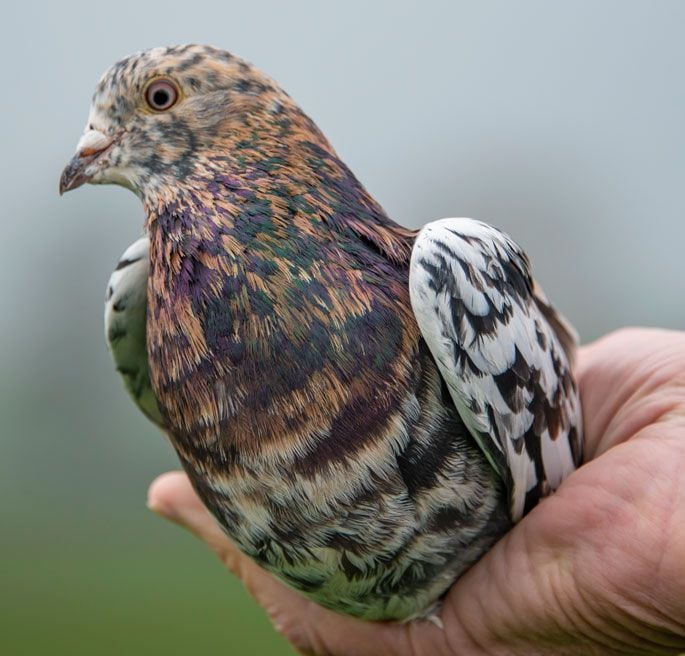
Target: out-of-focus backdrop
x,y
561,122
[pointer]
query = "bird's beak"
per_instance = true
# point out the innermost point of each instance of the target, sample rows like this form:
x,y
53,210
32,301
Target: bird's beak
x,y
82,166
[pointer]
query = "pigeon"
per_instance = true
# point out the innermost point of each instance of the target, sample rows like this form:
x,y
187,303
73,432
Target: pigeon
x,y
364,408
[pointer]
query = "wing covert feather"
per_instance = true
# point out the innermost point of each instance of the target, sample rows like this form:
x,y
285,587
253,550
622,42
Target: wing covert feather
x,y
504,352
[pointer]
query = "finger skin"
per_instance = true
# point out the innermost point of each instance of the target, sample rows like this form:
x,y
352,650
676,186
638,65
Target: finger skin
x,y
627,380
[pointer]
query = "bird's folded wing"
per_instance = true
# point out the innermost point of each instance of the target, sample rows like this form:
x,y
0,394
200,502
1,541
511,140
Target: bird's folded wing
x,y
503,351
125,319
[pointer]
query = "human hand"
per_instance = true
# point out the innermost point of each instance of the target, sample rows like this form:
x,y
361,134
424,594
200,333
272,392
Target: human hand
x,y
597,568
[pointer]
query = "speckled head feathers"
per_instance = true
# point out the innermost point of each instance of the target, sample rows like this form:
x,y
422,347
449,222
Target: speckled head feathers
x,y
231,133
141,148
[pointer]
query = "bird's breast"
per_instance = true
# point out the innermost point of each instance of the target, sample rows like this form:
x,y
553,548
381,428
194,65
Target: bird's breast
x,y
249,355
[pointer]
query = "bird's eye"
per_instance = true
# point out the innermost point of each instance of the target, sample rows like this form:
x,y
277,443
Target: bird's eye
x,y
161,94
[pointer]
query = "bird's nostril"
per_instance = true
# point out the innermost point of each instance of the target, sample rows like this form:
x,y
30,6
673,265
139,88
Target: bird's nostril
x,y
93,142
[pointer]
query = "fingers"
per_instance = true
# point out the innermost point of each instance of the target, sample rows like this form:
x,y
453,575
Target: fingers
x,y
628,379
309,627
171,496
594,569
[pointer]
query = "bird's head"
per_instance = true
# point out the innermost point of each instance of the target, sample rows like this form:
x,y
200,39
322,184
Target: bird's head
x,y
155,115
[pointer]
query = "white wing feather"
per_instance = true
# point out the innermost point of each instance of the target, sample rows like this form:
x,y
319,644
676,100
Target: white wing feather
x,y
125,317
503,351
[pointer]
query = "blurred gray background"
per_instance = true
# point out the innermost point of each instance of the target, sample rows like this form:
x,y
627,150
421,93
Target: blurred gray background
x,y
560,122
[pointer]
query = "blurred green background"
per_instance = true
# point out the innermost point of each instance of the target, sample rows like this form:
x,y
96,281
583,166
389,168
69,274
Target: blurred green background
x,y
561,122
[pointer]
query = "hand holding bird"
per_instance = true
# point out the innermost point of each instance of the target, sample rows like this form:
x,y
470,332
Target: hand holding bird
x,y
596,569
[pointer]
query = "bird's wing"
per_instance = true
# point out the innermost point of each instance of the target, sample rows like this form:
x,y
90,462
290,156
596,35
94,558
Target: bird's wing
x,y
503,351
125,316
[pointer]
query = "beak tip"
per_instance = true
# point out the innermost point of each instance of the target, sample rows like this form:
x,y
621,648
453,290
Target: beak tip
x,y
72,176
77,172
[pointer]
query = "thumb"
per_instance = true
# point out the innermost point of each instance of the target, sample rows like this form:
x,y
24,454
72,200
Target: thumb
x,y
172,497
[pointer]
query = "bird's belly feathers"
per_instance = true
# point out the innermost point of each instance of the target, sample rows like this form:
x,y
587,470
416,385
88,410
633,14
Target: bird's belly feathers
x,y
381,534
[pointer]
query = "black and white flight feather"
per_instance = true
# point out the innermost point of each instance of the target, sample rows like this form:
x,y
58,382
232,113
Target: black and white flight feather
x,y
504,352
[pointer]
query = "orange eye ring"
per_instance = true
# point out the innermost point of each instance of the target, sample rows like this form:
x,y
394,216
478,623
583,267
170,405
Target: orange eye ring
x,y
161,94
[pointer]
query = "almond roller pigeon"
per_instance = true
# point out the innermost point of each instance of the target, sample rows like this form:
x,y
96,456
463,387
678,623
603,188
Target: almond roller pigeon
x,y
364,409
